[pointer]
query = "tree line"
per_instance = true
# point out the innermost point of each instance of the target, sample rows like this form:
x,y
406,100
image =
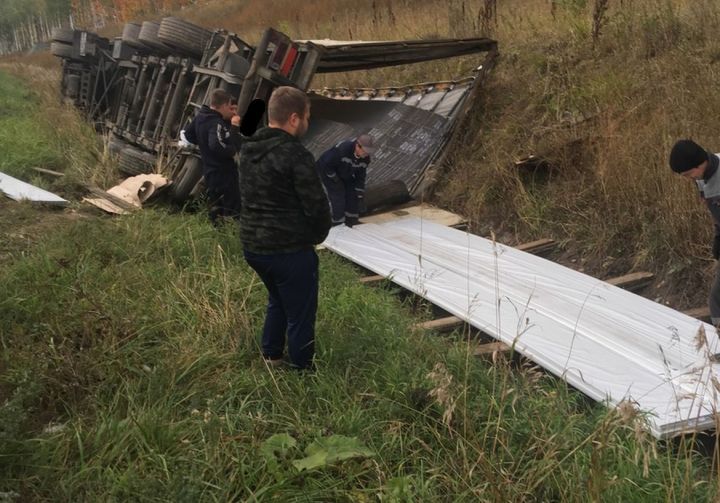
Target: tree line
x,y
23,23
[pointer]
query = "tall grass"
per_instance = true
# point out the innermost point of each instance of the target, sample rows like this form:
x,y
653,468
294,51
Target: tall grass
x,y
604,115
37,130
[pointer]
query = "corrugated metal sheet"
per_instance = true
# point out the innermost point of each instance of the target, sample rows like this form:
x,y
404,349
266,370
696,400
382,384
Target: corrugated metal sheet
x,y
19,191
410,124
612,345
341,56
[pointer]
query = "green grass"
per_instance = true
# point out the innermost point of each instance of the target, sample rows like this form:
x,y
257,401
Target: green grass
x,y
38,131
139,336
23,144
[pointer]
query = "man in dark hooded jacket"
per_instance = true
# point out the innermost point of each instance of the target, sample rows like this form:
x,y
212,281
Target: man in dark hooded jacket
x,y
285,213
216,131
690,160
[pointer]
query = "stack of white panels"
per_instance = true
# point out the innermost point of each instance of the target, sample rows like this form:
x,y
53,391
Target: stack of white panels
x,y
609,343
19,191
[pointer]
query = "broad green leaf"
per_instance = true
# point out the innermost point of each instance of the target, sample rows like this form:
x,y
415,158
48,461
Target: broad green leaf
x,y
329,450
277,446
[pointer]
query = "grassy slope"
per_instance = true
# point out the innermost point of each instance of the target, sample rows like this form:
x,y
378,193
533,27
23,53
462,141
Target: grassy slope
x,y
160,389
130,372
38,131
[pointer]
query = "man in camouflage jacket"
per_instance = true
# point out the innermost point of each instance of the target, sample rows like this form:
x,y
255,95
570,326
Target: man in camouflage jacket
x,y
285,213
692,161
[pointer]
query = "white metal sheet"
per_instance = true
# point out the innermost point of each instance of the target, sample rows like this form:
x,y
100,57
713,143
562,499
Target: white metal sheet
x,y
19,190
609,343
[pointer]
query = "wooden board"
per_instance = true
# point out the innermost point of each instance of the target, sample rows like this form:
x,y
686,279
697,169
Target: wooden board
x,y
701,313
424,211
633,281
490,348
537,247
372,279
48,172
441,324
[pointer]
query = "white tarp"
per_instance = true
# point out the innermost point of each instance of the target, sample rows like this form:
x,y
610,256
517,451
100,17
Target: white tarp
x,y
19,191
609,343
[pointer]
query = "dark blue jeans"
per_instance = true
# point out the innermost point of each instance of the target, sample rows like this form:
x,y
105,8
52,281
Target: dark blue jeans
x,y
292,283
223,196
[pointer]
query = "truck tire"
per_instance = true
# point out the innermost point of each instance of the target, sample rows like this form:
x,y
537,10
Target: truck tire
x,y
61,50
130,34
148,35
115,145
65,35
386,194
236,65
187,178
72,86
184,36
133,161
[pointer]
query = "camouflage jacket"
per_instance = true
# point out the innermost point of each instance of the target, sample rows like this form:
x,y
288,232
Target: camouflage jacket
x,y
285,207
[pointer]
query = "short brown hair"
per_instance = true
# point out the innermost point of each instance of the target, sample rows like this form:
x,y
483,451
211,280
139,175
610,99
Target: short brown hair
x,y
219,97
284,102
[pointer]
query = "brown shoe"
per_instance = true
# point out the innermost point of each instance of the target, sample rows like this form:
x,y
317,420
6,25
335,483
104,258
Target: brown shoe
x,y
275,363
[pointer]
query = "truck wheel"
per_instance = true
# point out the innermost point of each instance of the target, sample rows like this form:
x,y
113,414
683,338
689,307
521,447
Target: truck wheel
x,y
133,161
183,35
187,178
65,35
61,49
149,36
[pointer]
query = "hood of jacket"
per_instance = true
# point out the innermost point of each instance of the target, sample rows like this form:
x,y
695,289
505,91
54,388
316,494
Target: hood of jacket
x,y
206,114
264,141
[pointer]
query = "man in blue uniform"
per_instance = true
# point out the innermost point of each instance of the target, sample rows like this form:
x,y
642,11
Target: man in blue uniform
x,y
343,170
216,131
690,160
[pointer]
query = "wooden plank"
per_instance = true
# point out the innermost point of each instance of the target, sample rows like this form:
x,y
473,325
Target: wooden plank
x,y
423,210
48,171
701,313
633,281
441,324
372,279
537,247
490,348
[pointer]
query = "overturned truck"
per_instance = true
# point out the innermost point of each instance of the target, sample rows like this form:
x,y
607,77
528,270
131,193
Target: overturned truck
x,y
141,88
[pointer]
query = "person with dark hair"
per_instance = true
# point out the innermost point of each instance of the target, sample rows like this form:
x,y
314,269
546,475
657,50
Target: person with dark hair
x,y
285,214
690,160
343,170
216,131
